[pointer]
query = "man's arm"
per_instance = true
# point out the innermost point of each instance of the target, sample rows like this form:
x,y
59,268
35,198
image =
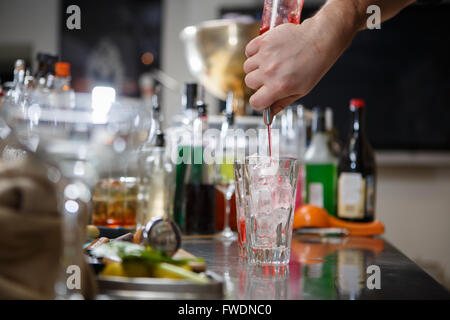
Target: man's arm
x,y
358,8
286,63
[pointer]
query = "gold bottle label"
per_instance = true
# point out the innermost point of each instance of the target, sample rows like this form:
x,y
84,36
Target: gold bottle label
x,y
351,193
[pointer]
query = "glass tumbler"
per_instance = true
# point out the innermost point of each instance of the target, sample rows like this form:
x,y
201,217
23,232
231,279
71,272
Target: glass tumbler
x,y
269,188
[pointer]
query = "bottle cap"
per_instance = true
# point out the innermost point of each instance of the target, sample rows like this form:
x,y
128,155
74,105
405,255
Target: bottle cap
x,y
62,69
19,64
358,103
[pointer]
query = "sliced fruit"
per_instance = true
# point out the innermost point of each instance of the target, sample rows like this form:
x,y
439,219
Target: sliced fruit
x,y
166,270
114,269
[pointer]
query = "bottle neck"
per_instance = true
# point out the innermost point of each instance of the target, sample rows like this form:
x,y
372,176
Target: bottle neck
x,y
157,123
19,75
62,83
190,110
319,123
319,149
357,122
50,81
189,116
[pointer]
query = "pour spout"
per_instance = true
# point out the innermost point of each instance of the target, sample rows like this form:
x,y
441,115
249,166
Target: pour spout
x,y
268,117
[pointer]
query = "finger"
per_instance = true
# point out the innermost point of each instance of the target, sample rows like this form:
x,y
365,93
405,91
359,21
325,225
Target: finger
x,y
283,103
262,98
250,65
253,80
252,47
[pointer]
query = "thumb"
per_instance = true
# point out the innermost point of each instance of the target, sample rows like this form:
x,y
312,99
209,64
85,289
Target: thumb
x,y
278,106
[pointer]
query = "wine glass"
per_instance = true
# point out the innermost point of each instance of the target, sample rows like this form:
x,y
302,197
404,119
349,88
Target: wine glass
x,y
224,179
83,141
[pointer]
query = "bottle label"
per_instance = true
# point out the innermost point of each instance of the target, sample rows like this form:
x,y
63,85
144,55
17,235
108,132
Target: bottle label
x,y
316,194
351,193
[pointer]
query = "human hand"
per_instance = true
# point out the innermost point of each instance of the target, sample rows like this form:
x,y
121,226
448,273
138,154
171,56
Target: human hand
x,y
285,63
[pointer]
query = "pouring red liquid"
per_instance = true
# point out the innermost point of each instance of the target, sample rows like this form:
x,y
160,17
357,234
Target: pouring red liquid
x,y
277,12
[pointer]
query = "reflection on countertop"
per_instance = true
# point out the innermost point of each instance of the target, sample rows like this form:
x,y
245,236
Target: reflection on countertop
x,y
321,268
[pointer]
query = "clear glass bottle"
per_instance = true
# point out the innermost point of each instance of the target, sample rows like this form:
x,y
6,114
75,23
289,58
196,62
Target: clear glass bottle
x,y
332,131
62,94
156,172
11,149
16,91
156,186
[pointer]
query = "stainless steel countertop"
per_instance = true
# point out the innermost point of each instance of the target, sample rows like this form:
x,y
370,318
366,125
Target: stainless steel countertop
x,y
320,268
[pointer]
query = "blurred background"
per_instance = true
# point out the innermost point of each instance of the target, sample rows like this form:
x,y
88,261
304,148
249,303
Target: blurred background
x,y
401,70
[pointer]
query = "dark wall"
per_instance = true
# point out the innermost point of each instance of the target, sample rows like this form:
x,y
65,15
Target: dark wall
x,y
113,37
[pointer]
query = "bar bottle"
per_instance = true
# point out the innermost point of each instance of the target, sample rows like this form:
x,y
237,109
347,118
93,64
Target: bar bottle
x,y
357,171
321,166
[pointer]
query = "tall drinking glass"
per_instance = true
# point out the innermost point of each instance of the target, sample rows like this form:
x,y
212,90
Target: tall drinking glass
x,y
269,186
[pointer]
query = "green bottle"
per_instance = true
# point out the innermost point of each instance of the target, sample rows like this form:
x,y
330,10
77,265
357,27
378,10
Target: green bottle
x,y
195,194
182,140
320,167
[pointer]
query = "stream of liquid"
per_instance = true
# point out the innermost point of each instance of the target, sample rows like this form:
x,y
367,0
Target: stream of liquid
x,y
269,136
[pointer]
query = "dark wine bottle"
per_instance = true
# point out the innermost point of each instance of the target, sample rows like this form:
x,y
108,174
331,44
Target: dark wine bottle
x,y
357,171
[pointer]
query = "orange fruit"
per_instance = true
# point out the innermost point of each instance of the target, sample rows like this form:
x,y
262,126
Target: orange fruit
x,y
310,216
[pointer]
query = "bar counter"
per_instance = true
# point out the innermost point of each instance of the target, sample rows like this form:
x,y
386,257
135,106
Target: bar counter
x,y
321,268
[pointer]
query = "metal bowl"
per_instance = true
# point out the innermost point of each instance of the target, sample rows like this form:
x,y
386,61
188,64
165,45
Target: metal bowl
x,y
215,53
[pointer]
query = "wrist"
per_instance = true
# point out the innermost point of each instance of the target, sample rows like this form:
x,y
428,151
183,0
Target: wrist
x,y
335,25
345,18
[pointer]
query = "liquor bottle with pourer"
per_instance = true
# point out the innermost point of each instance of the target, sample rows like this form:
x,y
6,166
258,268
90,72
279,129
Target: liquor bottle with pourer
x,y
320,165
157,173
357,171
